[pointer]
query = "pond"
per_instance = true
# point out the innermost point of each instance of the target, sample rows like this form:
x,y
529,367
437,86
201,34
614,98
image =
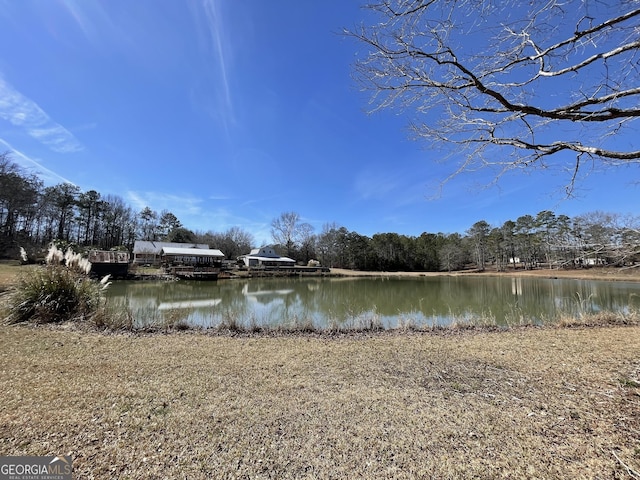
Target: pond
x,y
354,302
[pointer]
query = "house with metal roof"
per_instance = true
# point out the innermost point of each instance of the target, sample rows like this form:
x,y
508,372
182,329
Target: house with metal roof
x,y
147,252
265,257
190,256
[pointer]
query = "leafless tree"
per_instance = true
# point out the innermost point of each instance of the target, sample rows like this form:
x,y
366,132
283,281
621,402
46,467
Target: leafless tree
x,y
327,243
284,230
233,242
513,84
306,239
237,242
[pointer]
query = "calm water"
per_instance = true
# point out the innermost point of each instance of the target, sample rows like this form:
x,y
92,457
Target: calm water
x,y
355,302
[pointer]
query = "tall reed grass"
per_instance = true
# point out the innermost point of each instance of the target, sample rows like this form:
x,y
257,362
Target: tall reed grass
x,y
57,292
52,294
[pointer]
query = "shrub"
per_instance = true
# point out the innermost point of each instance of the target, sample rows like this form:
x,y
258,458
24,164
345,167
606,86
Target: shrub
x,y
57,292
54,293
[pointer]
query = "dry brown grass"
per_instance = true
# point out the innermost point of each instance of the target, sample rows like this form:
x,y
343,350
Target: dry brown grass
x,y
524,403
595,273
9,271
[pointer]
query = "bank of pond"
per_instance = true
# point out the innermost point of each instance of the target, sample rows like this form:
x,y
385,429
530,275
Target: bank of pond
x,y
373,302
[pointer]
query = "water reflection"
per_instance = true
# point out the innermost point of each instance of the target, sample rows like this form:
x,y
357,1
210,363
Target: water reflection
x,y
516,286
359,301
262,295
189,304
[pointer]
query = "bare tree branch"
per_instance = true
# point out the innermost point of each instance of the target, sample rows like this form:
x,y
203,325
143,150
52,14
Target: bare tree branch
x,y
482,73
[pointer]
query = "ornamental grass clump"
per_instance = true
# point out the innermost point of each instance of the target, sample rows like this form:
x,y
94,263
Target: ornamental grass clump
x,y
57,292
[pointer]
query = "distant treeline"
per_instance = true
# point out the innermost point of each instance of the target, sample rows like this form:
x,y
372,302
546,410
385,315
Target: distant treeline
x,y
528,242
32,216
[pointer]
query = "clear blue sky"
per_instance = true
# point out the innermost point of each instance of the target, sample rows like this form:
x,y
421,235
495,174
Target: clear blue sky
x,y
230,113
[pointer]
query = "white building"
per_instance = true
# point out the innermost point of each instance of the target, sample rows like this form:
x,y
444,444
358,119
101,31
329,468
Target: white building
x,y
147,252
191,256
266,257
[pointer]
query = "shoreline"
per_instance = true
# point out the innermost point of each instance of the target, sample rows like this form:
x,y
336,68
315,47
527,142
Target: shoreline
x,y
625,274
614,274
595,273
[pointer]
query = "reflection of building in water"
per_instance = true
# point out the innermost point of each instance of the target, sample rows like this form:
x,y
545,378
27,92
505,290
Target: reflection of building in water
x,y
265,296
189,304
516,286
165,296
138,303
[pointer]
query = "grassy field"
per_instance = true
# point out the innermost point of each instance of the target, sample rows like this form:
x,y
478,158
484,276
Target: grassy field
x,y
8,271
524,403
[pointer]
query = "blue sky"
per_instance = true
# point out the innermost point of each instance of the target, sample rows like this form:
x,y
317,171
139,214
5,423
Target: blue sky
x,y
231,113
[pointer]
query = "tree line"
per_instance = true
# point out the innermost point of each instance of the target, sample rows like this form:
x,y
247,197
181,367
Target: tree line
x,y
32,216
544,240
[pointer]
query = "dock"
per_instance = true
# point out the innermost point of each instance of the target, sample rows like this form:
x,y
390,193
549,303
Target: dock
x,y
108,262
191,273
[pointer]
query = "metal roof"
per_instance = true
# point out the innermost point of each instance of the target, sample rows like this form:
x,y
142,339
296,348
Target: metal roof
x,y
147,246
270,259
192,252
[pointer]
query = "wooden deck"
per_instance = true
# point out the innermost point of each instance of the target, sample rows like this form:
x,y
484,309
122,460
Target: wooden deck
x,y
191,273
296,271
107,262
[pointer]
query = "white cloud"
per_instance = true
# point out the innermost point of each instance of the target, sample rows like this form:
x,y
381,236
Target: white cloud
x,y
24,113
220,198
179,205
220,43
217,44
377,185
46,175
198,215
